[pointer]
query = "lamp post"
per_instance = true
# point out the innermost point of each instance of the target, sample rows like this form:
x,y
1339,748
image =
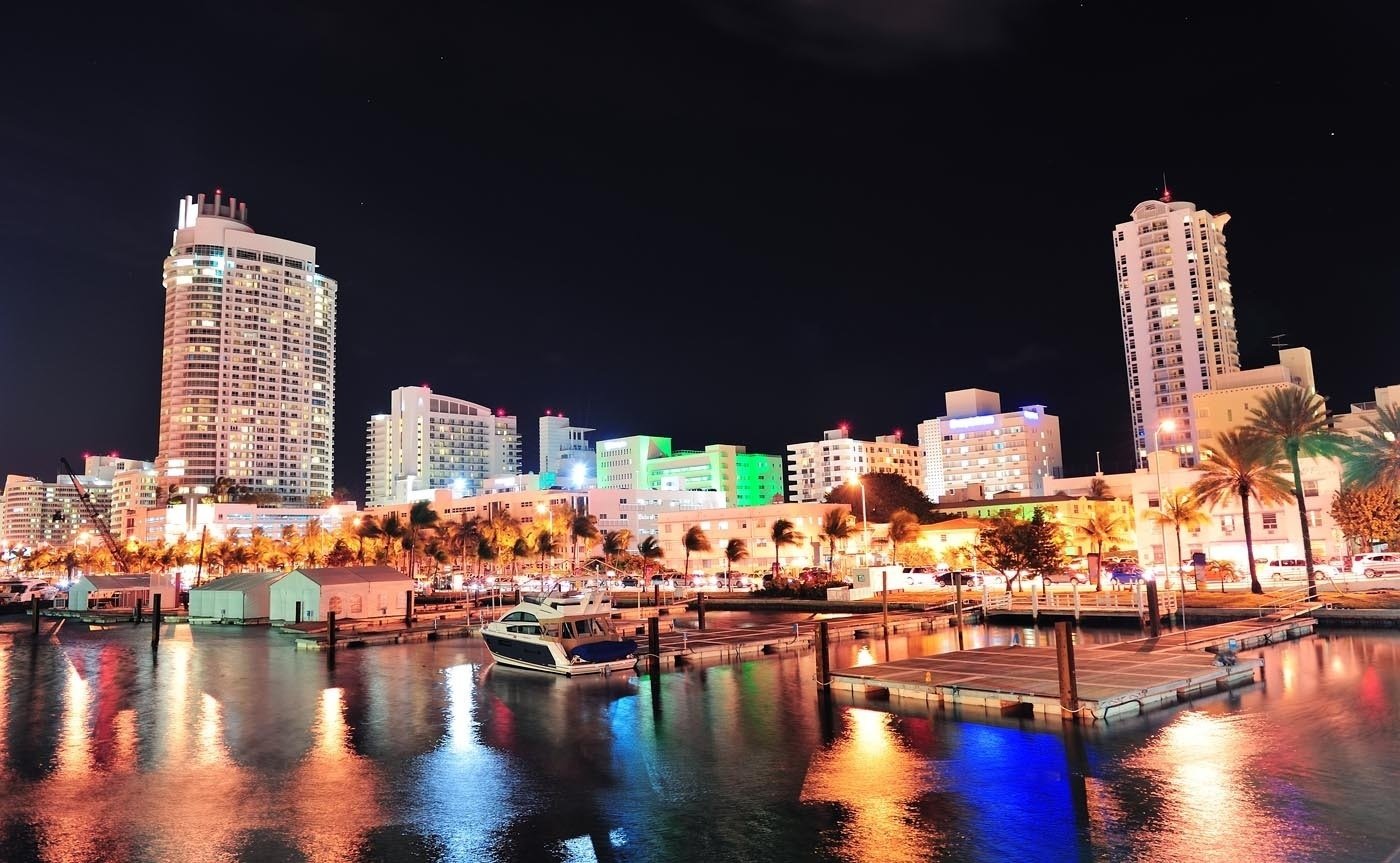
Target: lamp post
x,y
864,522
1167,426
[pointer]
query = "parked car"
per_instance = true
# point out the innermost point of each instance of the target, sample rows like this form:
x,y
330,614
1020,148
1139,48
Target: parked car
x,y
1125,573
1376,564
951,577
1289,568
1065,576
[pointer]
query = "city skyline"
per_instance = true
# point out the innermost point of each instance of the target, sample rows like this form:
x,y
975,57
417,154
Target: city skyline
x,y
870,216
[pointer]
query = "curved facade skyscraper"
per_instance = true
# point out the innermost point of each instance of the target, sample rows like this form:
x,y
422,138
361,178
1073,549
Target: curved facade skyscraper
x,y
248,365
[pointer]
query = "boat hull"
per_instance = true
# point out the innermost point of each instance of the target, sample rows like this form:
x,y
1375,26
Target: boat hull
x,y
538,656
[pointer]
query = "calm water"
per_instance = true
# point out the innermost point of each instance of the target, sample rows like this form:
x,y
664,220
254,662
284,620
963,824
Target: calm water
x,y
235,746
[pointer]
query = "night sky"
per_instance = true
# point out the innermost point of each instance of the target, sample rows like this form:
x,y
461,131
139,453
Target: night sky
x,y
739,221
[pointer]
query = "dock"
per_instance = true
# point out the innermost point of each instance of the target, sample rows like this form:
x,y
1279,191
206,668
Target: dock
x,y
1122,604
1113,680
681,646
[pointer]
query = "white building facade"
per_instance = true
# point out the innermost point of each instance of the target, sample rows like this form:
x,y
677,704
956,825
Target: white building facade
x,y
977,444
1276,529
1178,316
816,466
637,510
753,525
566,454
202,518
248,365
37,512
429,441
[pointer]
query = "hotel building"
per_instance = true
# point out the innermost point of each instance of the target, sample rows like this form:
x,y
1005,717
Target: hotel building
x,y
977,444
38,512
429,441
645,461
566,455
1178,317
248,365
816,466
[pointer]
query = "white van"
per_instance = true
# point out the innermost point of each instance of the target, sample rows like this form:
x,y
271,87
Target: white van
x,y
1376,564
1289,569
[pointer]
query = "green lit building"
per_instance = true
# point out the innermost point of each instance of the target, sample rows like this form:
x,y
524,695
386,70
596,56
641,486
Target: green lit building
x,y
646,461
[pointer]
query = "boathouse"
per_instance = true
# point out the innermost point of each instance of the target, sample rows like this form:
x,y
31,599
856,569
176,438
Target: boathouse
x,y
245,597
350,591
119,591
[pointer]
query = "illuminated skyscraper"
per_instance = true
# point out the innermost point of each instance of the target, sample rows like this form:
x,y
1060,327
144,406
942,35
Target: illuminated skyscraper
x,y
1178,318
248,368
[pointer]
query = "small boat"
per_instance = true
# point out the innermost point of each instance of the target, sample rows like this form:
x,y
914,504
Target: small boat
x,y
563,634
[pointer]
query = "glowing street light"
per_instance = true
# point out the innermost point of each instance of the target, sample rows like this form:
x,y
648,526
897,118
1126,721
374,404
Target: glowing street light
x,y
864,521
1169,426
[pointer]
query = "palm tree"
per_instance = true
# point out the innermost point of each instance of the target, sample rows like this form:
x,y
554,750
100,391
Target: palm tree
x,y
650,549
783,533
904,527
463,536
1296,419
546,546
1102,526
421,518
485,551
1179,509
521,550
1098,487
260,546
694,540
615,542
734,551
1373,459
583,527
836,525
1241,465
366,527
392,530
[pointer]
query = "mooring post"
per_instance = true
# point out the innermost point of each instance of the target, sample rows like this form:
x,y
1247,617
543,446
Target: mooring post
x,y
1075,585
1035,603
656,594
34,610
155,619
1064,660
137,619
823,658
701,609
408,614
1154,615
330,637
654,643
957,580
885,601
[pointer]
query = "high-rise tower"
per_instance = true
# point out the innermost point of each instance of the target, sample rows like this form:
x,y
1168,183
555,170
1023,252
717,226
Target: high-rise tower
x,y
1178,318
247,387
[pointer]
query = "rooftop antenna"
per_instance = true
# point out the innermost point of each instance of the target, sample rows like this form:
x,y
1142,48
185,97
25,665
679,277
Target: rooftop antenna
x,y
1166,192
1278,342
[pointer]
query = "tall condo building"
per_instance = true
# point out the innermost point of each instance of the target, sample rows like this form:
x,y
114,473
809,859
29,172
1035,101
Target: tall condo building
x,y
566,455
248,368
429,441
976,444
814,467
1178,318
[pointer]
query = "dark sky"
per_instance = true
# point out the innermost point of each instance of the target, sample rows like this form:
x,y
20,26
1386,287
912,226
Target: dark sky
x,y
739,221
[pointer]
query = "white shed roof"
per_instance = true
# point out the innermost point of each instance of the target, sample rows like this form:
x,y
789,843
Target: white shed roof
x,y
354,575
241,581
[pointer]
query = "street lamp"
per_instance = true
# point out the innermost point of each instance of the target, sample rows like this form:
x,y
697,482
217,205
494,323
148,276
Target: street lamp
x,y
864,522
1168,426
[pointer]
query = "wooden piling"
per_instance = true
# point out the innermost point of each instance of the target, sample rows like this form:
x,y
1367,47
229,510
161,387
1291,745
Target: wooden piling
x,y
656,594
408,614
1075,586
654,643
700,598
1035,602
1154,614
137,619
330,637
885,601
823,657
34,612
155,619
957,607
1064,660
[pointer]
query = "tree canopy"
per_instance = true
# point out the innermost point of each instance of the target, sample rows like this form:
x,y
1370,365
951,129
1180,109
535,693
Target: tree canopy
x,y
885,494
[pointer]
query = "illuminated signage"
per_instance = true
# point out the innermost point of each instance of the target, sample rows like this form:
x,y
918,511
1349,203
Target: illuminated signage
x,y
972,422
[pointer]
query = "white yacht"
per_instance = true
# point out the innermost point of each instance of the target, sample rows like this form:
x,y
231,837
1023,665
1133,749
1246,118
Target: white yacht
x,y
568,635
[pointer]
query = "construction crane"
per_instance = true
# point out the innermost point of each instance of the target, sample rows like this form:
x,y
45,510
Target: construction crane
x,y
90,510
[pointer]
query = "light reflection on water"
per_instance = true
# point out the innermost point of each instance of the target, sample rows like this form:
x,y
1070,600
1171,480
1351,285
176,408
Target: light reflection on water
x,y
234,746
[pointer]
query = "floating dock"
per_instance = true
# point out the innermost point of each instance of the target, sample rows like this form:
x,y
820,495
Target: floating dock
x,y
1120,679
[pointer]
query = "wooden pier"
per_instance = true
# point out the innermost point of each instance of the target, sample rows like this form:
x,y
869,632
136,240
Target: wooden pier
x,y
1077,603
1119,679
